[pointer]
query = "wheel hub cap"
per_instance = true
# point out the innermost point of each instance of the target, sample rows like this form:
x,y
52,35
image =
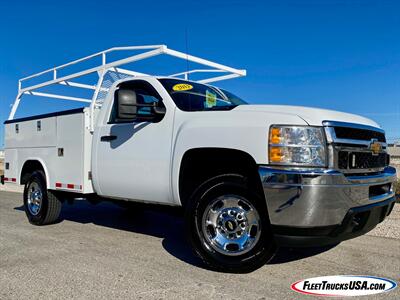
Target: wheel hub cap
x,y
231,225
35,198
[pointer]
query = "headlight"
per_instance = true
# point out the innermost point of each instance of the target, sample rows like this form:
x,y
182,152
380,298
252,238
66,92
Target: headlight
x,y
298,146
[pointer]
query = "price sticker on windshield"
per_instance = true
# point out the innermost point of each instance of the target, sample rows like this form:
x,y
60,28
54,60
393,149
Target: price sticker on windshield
x,y
211,99
182,87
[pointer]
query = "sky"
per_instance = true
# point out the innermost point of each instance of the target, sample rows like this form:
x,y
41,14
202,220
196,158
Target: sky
x,y
341,55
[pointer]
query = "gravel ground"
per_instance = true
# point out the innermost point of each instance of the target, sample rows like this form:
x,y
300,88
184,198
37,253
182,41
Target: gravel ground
x,y
10,187
390,228
104,252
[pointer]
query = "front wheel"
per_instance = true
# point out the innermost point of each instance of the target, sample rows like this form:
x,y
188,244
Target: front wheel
x,y
227,225
41,206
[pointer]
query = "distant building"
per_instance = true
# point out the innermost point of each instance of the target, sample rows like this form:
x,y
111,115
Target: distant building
x,y
394,151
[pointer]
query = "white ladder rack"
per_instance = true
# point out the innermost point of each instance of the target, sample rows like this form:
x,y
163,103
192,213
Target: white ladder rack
x,y
114,66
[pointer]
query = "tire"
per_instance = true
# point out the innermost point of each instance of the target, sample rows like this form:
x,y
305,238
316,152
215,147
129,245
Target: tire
x,y
225,202
42,207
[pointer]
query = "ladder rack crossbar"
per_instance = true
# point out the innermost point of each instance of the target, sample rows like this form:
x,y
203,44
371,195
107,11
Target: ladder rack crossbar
x,y
115,66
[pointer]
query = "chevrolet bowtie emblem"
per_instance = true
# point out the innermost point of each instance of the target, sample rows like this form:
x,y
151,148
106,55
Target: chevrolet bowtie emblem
x,y
375,147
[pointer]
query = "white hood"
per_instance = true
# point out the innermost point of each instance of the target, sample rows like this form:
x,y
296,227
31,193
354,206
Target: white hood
x,y
313,116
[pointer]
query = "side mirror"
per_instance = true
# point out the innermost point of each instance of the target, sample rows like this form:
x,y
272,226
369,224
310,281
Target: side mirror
x,y
131,107
127,104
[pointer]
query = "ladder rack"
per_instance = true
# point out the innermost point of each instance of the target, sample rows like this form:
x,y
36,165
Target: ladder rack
x,y
114,68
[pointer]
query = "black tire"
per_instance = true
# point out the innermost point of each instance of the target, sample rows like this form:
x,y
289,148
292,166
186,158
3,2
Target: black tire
x,y
228,185
50,207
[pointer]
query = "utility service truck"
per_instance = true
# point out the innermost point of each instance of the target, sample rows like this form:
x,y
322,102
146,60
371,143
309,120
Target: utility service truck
x,y
250,178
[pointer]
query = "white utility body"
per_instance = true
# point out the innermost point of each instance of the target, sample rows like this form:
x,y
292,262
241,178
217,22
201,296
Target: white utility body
x,y
61,143
250,177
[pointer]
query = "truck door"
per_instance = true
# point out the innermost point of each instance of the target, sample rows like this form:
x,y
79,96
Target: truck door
x,y
131,158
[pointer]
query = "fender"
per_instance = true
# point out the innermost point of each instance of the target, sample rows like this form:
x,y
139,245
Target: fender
x,y
235,130
45,169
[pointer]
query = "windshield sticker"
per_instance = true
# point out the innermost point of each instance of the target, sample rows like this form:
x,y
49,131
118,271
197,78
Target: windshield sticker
x,y
211,99
182,87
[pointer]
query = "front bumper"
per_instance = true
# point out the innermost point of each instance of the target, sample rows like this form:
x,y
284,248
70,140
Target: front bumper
x,y
316,207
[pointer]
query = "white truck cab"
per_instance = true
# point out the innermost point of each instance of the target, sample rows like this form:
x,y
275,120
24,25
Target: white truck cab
x,y
250,178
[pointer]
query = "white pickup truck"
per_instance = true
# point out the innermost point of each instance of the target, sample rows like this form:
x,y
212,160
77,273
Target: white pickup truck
x,y
250,178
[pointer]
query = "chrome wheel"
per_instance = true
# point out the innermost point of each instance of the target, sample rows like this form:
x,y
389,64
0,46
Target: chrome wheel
x,y
231,225
35,198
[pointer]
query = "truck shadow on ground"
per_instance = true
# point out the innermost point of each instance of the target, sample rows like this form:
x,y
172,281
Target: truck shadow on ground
x,y
159,221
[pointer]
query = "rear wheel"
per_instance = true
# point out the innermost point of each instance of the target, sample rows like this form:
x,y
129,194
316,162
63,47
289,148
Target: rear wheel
x,y
41,206
227,225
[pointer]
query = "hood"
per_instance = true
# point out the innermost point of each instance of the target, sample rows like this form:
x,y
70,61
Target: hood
x,y
313,116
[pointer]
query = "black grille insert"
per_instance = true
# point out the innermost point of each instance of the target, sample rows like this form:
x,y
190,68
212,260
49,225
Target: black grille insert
x,y
359,134
362,160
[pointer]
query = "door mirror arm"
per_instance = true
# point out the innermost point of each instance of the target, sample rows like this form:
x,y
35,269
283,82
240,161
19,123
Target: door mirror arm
x,y
158,110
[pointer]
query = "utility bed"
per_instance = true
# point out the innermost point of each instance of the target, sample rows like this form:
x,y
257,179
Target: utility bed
x,y
61,139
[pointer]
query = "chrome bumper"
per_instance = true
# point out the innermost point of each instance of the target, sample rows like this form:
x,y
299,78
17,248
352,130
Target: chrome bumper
x,y
316,198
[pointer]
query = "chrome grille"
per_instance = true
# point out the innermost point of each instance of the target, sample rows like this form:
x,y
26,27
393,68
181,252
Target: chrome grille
x,y
350,150
359,134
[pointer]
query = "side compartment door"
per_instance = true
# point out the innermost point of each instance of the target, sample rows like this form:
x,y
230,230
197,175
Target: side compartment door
x,y
132,155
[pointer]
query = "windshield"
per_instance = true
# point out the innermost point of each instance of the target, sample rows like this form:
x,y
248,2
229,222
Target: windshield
x,y
192,96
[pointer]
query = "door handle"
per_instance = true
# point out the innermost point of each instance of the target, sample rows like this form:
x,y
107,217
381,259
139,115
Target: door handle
x,y
108,138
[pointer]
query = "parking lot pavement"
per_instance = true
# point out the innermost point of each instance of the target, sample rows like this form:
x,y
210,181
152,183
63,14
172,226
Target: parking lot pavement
x,y
104,252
